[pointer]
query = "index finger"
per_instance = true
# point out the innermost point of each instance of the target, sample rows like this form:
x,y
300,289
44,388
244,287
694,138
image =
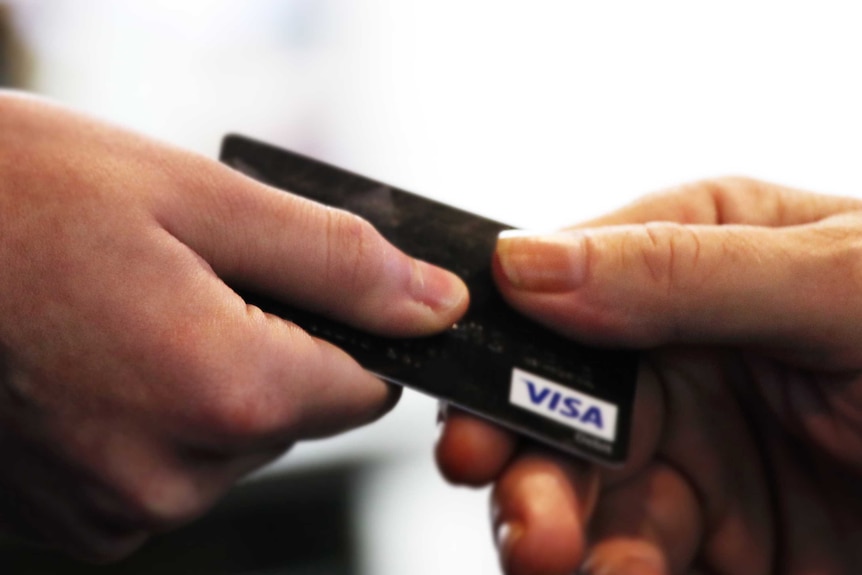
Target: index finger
x,y
735,200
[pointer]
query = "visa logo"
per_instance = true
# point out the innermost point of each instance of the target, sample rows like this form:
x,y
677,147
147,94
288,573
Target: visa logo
x,y
557,402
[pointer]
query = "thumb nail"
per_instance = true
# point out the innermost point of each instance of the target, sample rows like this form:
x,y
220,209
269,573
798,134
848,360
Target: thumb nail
x,y
544,262
439,289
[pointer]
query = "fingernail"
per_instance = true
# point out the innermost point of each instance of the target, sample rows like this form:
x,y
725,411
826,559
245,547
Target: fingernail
x,y
552,262
437,288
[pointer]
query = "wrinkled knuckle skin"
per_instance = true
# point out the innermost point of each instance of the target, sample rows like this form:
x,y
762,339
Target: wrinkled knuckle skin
x,y
670,253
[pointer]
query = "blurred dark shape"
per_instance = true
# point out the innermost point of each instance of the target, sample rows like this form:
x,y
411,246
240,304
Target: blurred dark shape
x,y
15,60
292,524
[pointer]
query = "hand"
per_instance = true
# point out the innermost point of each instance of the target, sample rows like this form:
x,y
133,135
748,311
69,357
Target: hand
x,y
135,385
746,451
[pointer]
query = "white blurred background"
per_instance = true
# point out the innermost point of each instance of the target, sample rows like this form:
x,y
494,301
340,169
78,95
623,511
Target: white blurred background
x,y
537,114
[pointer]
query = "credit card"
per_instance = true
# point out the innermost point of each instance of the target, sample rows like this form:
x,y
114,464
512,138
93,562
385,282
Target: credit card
x,y
494,362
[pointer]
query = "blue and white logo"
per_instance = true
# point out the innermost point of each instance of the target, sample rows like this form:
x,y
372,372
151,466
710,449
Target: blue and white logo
x,y
564,405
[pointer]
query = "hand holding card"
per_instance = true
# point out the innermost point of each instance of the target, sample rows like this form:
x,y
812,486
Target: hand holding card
x,y
494,362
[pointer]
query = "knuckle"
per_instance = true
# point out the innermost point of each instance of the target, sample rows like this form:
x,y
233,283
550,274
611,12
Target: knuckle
x,y
720,198
243,411
354,249
229,396
723,187
737,199
671,255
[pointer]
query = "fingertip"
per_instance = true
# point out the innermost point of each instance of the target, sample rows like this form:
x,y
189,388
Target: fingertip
x,y
471,451
441,291
341,395
526,550
428,300
546,263
541,506
408,298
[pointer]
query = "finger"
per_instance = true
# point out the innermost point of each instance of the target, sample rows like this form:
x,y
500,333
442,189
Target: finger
x,y
302,388
664,283
541,505
724,201
471,450
324,259
650,525
43,503
649,423
716,446
256,381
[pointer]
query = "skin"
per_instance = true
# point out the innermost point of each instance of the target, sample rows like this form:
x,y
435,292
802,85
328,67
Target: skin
x,y
746,454
135,386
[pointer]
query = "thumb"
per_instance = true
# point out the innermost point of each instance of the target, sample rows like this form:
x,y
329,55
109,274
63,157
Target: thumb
x,y
322,259
659,283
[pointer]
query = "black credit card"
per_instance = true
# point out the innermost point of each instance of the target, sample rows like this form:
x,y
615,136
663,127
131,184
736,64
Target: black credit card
x,y
493,362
